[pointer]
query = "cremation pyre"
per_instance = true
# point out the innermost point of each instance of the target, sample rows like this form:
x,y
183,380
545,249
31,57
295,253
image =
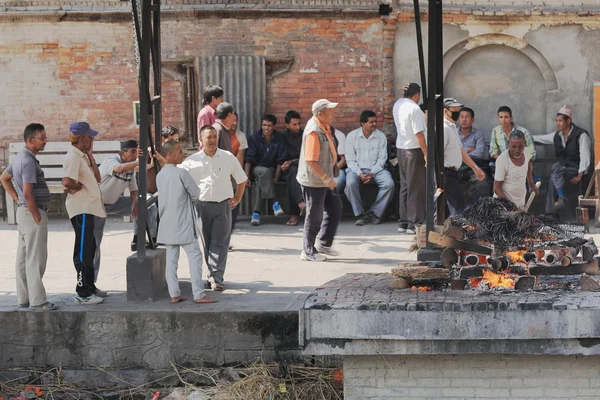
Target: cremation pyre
x,y
493,244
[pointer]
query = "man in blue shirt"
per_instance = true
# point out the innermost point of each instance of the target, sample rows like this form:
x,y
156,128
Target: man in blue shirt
x,y
264,157
473,142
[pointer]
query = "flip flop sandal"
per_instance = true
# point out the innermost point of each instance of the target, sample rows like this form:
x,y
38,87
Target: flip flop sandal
x,y
45,307
26,305
293,222
217,287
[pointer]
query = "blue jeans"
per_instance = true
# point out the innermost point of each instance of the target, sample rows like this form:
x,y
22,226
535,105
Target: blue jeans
x,y
340,182
385,183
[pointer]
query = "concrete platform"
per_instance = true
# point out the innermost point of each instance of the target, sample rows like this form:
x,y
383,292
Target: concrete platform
x,y
359,314
257,316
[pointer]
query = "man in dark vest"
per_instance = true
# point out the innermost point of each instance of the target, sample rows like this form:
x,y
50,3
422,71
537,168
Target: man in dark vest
x,y
572,146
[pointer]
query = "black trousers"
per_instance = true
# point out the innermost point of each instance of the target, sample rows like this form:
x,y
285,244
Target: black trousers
x,y
453,191
83,253
295,194
323,214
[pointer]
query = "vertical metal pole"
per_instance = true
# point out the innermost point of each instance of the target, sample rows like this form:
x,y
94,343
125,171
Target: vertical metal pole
x,y
438,55
156,64
420,50
145,113
431,105
435,122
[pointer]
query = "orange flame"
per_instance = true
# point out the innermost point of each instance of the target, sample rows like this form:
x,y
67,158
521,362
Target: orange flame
x,y
422,288
493,280
516,256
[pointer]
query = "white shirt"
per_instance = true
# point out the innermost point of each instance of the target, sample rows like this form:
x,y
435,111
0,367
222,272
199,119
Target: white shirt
x,y
341,138
113,184
584,146
363,153
513,178
409,120
241,136
213,174
452,146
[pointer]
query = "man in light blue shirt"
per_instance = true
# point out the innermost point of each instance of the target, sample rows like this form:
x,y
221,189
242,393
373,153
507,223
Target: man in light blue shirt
x,y
366,154
473,142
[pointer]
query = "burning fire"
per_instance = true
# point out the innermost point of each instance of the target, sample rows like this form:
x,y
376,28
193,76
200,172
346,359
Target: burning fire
x,y
492,280
422,288
516,256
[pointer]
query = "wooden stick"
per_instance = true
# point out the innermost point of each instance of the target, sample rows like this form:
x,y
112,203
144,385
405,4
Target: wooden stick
x,y
531,197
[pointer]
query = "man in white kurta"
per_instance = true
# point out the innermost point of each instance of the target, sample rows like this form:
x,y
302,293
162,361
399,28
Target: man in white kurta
x,y
212,170
177,193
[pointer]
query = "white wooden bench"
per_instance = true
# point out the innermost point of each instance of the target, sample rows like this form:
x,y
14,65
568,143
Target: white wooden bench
x,y
51,160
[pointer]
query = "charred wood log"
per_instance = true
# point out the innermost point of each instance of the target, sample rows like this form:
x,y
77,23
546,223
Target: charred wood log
x,y
589,283
421,273
589,250
449,257
525,283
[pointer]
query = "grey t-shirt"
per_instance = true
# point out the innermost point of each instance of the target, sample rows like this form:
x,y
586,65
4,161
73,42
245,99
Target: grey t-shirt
x,y
25,168
113,184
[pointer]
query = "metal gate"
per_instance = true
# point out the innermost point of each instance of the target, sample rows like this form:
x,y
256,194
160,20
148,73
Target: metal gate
x,y
243,78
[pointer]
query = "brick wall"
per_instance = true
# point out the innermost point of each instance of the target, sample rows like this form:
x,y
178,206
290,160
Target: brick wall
x,y
344,60
471,377
58,72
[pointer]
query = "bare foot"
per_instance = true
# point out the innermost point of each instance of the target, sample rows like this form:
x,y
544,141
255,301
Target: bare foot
x,y
178,299
204,299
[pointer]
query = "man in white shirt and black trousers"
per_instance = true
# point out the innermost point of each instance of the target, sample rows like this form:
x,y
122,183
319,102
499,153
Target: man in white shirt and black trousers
x,y
212,169
454,156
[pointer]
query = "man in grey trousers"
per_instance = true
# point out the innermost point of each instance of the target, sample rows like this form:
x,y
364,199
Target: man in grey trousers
x,y
31,193
212,169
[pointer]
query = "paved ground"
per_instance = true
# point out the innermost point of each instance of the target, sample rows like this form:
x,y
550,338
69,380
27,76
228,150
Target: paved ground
x,y
264,272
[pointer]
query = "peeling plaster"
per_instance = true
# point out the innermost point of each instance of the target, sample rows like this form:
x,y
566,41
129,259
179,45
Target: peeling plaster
x,y
491,38
373,33
308,71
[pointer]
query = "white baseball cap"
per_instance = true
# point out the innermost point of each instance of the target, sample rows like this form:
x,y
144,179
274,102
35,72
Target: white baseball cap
x,y
321,105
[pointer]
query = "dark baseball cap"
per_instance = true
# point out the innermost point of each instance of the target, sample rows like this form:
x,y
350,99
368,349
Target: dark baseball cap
x,y
82,128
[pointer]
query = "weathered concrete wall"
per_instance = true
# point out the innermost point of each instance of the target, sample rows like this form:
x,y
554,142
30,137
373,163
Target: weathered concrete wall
x,y
145,339
533,64
471,377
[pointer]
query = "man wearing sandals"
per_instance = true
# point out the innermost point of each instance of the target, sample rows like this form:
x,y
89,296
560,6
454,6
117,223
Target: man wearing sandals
x,y
212,170
31,193
293,145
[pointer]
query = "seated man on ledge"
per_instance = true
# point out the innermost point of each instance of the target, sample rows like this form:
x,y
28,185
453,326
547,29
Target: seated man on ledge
x,y
293,145
572,146
264,157
513,169
366,154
